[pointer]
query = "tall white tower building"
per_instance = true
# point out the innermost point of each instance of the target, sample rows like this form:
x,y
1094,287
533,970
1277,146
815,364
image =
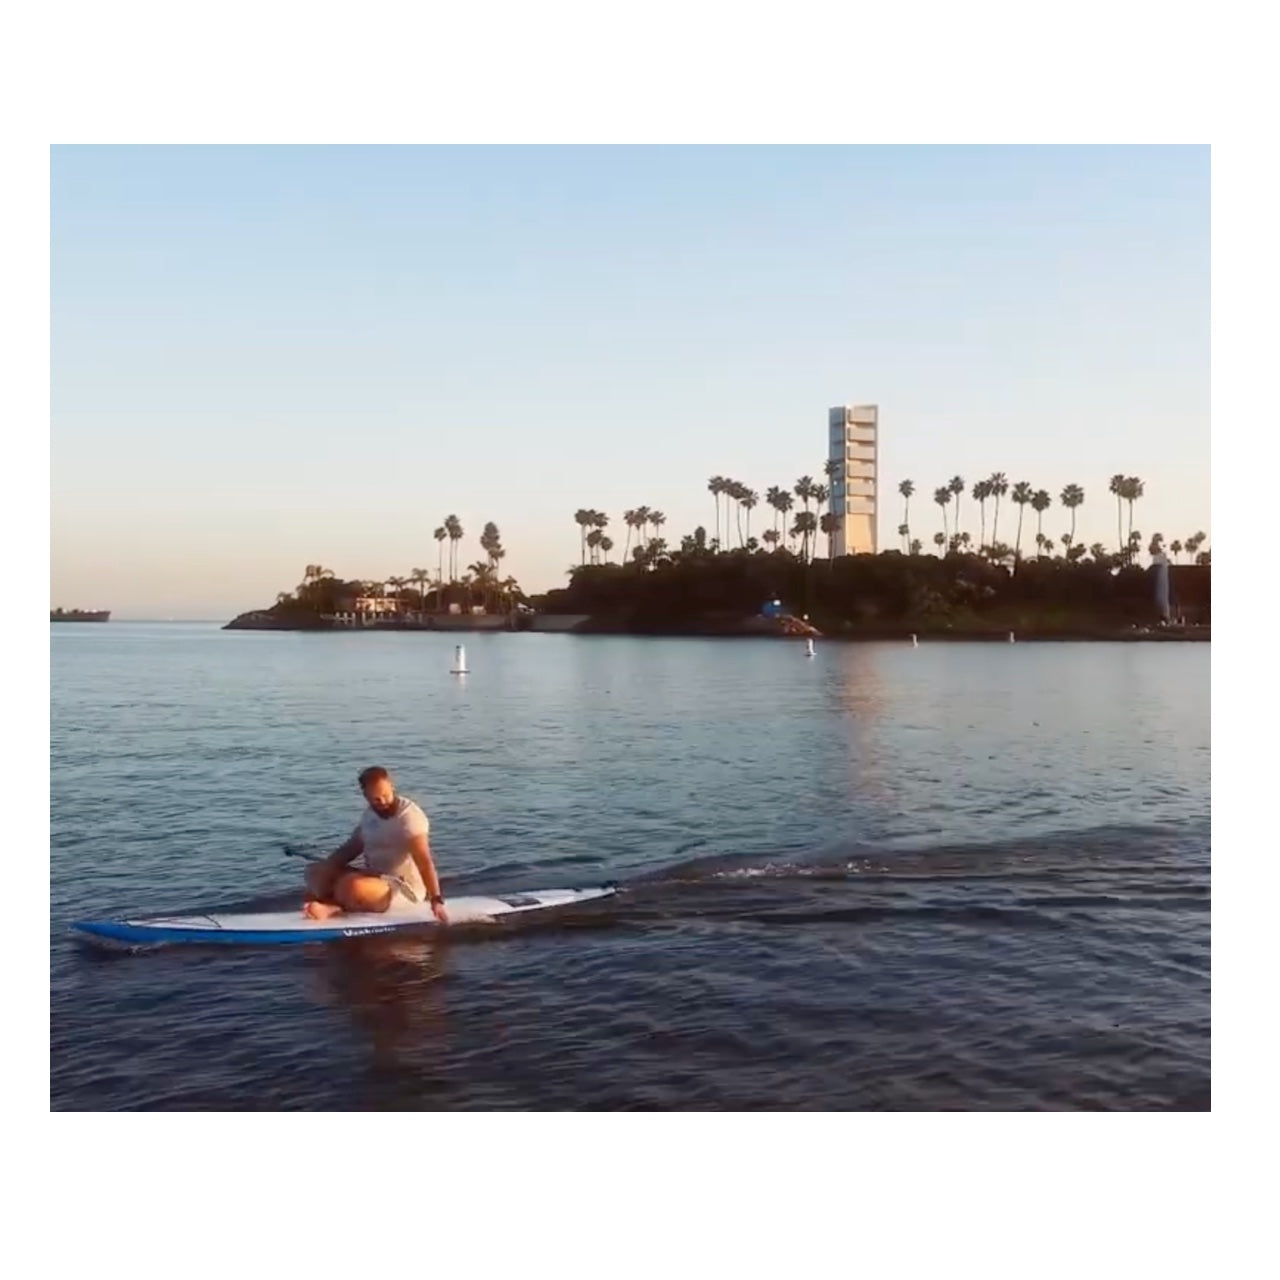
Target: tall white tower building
x,y
853,449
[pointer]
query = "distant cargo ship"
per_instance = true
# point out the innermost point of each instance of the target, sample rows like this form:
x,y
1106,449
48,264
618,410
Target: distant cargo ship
x,y
79,615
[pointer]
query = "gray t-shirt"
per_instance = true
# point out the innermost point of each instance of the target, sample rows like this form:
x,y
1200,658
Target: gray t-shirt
x,y
387,843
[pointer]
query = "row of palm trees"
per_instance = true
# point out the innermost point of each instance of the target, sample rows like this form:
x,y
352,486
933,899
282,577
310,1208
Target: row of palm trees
x,y
805,526
808,523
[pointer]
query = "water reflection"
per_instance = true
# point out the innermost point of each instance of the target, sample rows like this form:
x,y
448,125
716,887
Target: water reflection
x,y
395,992
862,693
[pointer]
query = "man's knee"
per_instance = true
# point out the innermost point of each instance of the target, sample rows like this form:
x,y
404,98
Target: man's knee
x,y
363,893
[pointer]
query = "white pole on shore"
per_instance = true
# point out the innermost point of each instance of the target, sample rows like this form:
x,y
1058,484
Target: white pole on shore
x,y
915,644
1011,637
459,660
808,651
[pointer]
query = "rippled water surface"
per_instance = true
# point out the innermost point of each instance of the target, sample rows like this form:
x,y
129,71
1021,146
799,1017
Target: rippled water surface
x,y
959,876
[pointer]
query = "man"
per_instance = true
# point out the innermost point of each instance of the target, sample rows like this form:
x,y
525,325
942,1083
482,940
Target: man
x,y
392,836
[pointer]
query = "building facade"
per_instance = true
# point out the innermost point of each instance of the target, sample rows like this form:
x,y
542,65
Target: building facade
x,y
853,451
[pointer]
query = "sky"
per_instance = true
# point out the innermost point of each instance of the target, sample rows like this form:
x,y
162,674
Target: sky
x,y
267,357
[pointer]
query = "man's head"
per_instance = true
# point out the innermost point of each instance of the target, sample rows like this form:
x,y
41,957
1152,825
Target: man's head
x,y
378,790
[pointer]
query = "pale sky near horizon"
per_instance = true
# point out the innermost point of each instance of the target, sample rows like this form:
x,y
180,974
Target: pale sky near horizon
x,y
264,357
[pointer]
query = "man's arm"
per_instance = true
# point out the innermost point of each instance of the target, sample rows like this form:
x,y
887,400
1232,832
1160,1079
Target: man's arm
x,y
345,854
421,851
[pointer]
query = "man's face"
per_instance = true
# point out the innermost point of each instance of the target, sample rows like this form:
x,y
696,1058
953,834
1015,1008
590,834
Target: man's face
x,y
381,796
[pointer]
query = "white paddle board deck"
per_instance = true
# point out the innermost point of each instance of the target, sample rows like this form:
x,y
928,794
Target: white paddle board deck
x,y
274,927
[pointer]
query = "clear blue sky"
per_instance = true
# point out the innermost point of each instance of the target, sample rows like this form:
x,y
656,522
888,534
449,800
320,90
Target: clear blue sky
x,y
265,357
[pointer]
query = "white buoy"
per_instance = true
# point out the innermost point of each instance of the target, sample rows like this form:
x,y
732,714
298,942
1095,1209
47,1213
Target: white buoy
x,y
808,653
915,644
1010,637
459,660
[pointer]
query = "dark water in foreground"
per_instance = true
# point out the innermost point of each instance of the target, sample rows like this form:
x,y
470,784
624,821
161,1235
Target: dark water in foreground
x,y
961,876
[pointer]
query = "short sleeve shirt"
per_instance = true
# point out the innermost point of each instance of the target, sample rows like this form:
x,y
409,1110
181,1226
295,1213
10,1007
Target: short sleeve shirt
x,y
387,842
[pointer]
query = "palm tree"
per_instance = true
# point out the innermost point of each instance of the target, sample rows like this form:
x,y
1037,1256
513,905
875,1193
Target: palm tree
x,y
1157,545
906,488
773,496
629,519
804,490
1133,490
998,486
957,487
904,533
830,525
916,546
717,485
965,541
420,578
1021,495
582,518
806,524
943,498
771,537
1072,496
981,492
1176,547
397,585
593,541
1117,486
940,541
657,519
820,495
737,491
750,500
454,527
1040,503
440,535
833,469
606,545
785,503
491,544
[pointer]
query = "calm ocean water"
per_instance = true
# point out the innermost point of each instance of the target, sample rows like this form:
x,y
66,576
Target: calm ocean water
x,y
965,876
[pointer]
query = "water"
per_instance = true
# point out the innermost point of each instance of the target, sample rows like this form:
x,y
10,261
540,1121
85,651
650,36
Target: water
x,y
960,876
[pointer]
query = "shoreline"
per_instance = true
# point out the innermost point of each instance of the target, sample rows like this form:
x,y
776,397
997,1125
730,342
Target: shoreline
x,y
737,629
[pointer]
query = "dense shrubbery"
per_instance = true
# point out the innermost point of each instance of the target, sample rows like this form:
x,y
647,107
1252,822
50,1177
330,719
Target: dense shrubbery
x,y
865,592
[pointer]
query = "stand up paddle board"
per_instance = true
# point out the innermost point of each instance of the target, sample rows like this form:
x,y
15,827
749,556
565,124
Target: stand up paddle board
x,y
292,926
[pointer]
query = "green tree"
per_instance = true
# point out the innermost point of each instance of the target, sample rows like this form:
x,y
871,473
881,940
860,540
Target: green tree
x,y
907,488
440,535
942,497
981,492
1071,498
1021,495
1040,503
997,487
957,487
1117,486
830,525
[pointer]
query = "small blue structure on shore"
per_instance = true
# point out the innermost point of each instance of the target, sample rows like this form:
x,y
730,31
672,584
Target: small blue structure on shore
x,y
771,609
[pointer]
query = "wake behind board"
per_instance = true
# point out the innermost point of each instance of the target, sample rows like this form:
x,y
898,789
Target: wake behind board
x,y
275,927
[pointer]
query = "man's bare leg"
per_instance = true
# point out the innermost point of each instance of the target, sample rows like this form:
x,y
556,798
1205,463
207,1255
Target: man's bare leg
x,y
353,891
